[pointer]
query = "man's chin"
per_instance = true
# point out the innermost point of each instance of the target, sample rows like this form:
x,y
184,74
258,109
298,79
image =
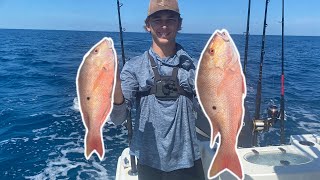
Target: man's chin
x,y
163,40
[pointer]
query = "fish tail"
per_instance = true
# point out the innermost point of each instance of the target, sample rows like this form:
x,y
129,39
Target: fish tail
x,y
94,142
234,165
224,161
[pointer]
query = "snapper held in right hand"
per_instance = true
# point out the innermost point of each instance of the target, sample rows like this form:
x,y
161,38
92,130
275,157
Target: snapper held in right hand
x,y
221,89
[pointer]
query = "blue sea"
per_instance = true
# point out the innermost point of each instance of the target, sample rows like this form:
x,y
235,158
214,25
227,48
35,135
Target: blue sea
x,y
41,131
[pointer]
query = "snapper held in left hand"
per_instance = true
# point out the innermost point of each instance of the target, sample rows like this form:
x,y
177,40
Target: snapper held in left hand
x,y
95,87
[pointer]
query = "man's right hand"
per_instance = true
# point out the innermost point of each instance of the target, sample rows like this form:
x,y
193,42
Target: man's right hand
x,y
118,96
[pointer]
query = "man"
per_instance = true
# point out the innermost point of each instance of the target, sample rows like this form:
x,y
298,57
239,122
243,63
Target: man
x,y
160,83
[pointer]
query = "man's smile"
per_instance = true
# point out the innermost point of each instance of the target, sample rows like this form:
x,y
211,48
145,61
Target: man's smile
x,y
163,34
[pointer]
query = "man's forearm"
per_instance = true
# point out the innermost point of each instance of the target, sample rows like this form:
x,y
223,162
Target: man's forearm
x,y
118,95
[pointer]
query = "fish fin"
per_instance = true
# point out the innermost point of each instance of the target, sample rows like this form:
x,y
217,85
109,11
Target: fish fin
x,y
217,165
85,118
243,86
99,79
106,113
94,143
240,126
243,110
233,63
222,86
214,135
224,161
234,165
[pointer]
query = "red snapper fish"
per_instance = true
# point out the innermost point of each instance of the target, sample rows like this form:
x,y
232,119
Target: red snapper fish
x,y
221,89
95,87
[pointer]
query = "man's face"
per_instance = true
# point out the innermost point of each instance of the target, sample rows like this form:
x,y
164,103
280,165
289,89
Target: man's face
x,y
164,26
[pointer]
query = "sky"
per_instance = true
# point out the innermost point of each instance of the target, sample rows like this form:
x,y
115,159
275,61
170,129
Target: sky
x,y
302,17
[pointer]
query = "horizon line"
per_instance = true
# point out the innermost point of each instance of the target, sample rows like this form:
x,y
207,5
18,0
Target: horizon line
x,y
145,32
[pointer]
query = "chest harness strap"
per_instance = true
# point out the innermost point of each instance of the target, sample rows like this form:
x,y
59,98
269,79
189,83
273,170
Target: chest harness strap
x,y
166,87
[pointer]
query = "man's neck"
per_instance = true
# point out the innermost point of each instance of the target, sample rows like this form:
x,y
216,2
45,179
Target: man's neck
x,y
165,50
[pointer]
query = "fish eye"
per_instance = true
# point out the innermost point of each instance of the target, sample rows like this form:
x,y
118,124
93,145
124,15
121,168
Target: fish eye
x,y
96,50
211,51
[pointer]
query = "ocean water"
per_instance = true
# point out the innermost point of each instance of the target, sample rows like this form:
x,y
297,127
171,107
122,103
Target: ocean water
x,y
41,131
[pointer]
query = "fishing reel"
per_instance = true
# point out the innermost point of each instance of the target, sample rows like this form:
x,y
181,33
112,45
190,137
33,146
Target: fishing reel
x,y
265,124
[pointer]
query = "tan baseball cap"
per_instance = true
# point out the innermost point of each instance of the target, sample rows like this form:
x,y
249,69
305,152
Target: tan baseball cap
x,y
159,5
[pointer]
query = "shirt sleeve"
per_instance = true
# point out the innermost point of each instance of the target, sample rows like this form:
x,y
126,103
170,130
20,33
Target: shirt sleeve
x,y
193,75
129,82
129,86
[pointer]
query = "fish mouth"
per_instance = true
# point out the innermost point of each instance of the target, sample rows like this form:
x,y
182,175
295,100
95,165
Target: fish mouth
x,y
104,48
106,44
224,36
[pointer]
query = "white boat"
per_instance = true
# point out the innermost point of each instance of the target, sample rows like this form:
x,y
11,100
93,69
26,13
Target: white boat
x,y
298,160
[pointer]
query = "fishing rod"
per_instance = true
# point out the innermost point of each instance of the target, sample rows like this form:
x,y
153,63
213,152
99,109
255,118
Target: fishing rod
x,y
129,121
259,86
247,42
120,31
282,135
130,132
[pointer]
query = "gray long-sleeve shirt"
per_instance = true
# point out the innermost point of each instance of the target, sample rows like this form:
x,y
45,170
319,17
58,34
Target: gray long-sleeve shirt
x,y
164,135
